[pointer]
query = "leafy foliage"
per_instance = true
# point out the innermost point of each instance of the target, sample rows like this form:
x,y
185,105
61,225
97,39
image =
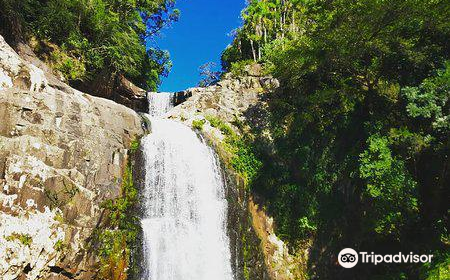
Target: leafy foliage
x,y
25,239
135,144
243,159
429,100
441,270
117,242
237,68
390,190
96,35
198,124
360,128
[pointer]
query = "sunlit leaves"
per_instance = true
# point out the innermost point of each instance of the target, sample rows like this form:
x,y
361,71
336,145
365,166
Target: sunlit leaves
x,y
430,100
390,189
102,35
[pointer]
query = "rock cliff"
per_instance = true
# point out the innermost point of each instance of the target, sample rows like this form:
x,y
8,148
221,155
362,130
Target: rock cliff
x,y
240,103
62,153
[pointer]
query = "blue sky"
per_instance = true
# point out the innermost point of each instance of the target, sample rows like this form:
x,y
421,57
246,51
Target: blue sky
x,y
198,37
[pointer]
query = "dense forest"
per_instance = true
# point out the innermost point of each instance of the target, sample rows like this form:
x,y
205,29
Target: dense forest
x,y
84,38
360,128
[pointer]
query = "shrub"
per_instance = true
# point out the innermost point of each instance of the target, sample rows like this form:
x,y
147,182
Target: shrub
x,y
71,67
243,158
198,124
238,69
115,243
98,35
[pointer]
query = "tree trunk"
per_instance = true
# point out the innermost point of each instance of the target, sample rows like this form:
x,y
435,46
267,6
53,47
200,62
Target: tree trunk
x,y
253,50
293,28
265,34
240,46
259,51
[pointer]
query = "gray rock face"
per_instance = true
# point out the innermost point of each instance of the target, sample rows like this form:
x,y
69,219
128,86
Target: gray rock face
x,y
119,89
230,100
61,155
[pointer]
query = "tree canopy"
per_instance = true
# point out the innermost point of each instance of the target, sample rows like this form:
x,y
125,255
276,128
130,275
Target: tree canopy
x,y
81,38
360,126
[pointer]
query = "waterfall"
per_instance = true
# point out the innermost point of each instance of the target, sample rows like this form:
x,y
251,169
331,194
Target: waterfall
x,y
160,103
185,209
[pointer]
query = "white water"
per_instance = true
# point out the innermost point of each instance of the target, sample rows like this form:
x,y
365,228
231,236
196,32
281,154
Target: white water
x,y
160,102
185,220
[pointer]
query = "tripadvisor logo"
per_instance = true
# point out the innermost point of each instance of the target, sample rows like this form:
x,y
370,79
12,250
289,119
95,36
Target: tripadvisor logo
x,y
348,258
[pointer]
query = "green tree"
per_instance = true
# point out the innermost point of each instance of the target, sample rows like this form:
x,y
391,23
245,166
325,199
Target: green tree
x,y
94,36
359,129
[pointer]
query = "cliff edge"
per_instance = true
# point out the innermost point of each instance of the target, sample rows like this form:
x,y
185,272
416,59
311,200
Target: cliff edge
x,y
62,154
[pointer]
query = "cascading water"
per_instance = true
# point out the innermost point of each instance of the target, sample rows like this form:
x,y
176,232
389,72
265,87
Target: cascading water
x,y
185,218
159,103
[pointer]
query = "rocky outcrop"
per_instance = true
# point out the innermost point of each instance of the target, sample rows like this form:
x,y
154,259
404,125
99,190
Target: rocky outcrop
x,y
246,251
181,96
229,99
15,72
119,89
282,264
240,103
62,153
115,87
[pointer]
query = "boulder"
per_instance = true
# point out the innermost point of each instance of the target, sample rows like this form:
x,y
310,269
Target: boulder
x,y
118,88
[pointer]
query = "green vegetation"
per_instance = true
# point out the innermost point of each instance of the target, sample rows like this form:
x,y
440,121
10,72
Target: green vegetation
x,y
360,127
117,242
59,245
59,217
245,253
85,38
221,125
440,270
135,144
237,69
243,159
25,239
198,124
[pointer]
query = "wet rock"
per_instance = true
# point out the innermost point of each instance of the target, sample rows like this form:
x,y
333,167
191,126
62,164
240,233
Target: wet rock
x,y
282,265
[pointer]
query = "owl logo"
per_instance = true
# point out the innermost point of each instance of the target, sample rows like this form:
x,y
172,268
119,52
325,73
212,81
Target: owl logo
x,y
348,258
